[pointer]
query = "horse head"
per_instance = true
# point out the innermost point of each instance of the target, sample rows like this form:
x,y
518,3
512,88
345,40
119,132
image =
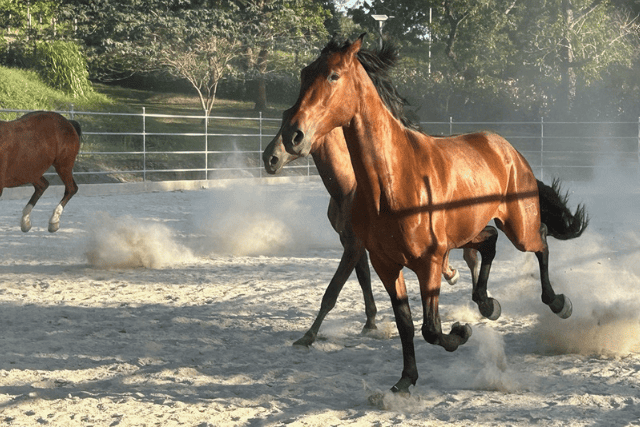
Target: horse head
x,y
327,97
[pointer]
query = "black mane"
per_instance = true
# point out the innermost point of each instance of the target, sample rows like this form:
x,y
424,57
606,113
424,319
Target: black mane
x,y
377,64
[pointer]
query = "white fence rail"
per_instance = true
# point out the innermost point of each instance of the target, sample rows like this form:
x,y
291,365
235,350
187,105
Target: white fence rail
x,y
160,147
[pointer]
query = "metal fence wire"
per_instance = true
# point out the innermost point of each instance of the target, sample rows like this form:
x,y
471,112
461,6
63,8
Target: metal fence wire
x,y
166,147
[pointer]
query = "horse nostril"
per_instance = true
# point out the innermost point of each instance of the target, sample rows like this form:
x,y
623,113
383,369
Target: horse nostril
x,y
274,160
298,137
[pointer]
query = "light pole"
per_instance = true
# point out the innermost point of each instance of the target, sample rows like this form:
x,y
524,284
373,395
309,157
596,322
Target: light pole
x,y
380,19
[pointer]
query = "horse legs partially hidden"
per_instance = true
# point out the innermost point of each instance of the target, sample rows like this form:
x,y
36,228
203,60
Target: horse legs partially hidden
x,y
485,243
354,256
40,186
70,188
559,304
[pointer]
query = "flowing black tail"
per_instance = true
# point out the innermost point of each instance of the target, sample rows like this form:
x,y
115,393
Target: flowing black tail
x,y
560,222
76,126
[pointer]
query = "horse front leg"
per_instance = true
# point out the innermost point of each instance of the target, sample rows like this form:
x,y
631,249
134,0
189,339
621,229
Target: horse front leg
x,y
391,276
354,254
39,187
450,274
429,279
559,304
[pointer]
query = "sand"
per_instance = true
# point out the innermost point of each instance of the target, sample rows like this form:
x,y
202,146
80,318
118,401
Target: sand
x,y
180,309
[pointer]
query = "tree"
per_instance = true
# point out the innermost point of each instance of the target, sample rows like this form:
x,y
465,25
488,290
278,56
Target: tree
x,y
571,43
291,25
534,56
133,37
203,58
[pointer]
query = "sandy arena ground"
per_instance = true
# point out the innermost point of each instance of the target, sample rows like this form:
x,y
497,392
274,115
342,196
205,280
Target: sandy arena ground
x,y
180,308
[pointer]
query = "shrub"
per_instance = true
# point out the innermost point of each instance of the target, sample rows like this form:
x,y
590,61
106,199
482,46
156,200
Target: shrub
x,y
62,66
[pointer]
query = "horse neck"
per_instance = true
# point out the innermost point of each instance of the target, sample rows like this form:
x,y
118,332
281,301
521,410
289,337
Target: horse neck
x,y
379,145
333,162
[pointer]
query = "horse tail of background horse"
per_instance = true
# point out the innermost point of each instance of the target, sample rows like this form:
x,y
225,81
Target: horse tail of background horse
x,y
76,126
560,222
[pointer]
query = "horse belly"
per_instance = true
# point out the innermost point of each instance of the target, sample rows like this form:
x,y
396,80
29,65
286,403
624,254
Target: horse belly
x,y
25,166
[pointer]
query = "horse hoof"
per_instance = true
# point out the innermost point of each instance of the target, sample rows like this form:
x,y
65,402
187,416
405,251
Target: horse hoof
x,y
53,227
463,331
567,306
454,279
490,309
402,387
25,226
305,341
369,329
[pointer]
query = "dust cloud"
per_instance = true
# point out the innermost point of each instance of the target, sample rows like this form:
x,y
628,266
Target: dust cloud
x,y
127,242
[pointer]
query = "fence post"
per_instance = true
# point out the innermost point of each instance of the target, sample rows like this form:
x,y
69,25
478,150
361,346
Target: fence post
x,y
260,151
71,111
541,148
450,125
206,145
144,145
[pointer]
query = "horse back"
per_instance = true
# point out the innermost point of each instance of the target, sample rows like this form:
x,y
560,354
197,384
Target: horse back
x,y
479,177
32,143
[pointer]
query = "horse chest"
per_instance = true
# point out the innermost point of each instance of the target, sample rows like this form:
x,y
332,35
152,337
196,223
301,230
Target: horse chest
x,y
402,239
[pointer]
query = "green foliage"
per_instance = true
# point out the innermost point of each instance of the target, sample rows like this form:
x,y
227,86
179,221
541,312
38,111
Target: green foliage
x,y
535,58
62,66
487,58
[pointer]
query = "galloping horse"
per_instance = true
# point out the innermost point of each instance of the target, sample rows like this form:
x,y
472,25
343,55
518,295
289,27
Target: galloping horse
x,y
331,157
28,147
419,197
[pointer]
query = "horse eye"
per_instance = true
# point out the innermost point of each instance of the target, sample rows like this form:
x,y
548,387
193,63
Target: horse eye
x,y
334,77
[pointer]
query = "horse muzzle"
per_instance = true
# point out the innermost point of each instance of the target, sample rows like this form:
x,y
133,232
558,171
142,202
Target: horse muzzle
x,y
296,141
275,159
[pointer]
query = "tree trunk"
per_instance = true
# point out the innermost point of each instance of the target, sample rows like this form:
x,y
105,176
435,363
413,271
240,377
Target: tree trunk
x,y
261,95
568,77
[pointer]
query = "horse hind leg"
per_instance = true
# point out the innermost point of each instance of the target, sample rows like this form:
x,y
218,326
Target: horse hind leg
x,y
70,189
559,304
40,186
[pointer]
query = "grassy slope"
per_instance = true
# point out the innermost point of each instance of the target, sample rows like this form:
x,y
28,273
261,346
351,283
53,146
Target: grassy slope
x,y
24,90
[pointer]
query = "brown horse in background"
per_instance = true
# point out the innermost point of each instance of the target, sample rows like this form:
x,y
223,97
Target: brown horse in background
x,y
28,147
331,157
419,197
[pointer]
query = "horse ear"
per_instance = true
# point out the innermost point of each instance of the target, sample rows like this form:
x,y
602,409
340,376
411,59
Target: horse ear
x,y
356,45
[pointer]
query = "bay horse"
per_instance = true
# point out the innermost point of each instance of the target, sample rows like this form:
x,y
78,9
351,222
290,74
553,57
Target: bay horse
x,y
331,157
31,144
418,196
